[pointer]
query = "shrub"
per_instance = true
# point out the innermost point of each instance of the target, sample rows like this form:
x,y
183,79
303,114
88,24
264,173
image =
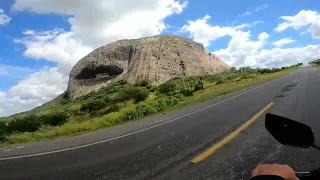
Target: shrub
x,y
73,111
122,82
198,86
142,83
132,114
173,101
66,95
132,92
186,91
93,105
161,103
55,118
110,109
145,109
179,96
151,87
167,87
29,123
3,126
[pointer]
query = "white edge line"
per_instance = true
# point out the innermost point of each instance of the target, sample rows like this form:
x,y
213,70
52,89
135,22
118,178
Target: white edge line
x,y
136,132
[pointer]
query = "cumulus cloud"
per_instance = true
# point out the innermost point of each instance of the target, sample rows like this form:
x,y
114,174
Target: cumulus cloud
x,y
305,18
256,9
242,50
35,90
99,22
283,42
240,46
92,24
203,32
2,95
56,46
275,57
4,19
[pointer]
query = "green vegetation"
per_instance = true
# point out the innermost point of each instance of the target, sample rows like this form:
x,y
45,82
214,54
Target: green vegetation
x,y
315,63
120,102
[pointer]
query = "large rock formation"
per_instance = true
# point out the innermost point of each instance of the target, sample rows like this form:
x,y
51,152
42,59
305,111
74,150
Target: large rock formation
x,y
158,59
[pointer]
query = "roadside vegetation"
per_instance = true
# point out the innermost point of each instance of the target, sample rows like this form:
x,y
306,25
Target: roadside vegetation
x,y
315,63
120,102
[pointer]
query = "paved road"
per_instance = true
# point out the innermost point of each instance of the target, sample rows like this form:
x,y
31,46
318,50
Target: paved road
x,y
163,146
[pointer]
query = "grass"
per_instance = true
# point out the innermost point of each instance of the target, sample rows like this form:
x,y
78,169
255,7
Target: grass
x,y
133,108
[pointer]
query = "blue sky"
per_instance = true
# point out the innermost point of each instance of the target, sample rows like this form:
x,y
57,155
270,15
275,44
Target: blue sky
x,y
40,40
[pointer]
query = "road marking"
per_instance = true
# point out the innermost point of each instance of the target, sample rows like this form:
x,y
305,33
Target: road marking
x,y
7,150
20,147
227,139
139,131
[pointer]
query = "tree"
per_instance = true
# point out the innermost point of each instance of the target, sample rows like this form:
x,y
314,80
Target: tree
x,y
233,69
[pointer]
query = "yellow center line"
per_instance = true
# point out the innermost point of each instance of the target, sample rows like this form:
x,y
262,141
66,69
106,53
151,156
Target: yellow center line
x,y
211,150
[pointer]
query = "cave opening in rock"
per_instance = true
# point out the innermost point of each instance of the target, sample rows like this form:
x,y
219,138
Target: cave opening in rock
x,y
99,72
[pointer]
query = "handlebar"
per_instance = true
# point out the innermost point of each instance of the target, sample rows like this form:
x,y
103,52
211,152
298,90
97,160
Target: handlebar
x,y
304,175
313,175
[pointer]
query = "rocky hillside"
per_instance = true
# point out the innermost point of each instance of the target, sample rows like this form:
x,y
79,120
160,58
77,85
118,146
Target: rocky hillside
x,y
157,59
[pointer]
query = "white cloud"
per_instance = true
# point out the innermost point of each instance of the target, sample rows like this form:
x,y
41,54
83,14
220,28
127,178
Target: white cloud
x,y
106,21
45,85
203,33
283,42
275,57
243,51
242,26
257,22
112,20
302,19
29,32
239,47
252,53
56,46
2,95
35,90
4,19
256,9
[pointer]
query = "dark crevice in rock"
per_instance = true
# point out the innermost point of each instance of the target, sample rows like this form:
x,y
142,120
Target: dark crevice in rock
x,y
99,72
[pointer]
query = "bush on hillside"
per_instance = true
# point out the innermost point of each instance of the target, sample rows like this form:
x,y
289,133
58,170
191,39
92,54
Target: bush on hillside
x,y
161,103
145,109
198,86
186,91
3,126
132,92
167,88
28,123
141,110
142,82
102,112
179,96
93,105
54,119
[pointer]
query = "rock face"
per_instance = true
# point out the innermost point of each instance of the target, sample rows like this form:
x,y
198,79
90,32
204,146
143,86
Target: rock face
x,y
158,59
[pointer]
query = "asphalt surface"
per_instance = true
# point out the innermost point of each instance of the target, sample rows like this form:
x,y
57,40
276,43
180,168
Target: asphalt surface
x,y
163,146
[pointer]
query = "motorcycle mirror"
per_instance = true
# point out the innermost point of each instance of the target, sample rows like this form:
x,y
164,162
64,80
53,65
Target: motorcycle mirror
x,y
289,132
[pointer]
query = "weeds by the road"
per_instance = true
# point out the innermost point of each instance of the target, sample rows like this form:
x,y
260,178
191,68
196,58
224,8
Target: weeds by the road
x,y
120,102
